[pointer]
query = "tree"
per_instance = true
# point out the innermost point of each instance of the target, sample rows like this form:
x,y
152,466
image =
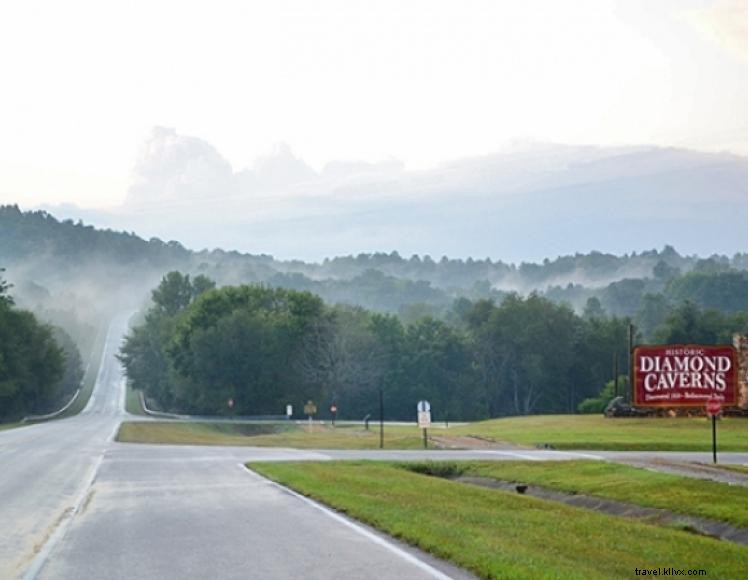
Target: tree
x,y
5,297
31,364
173,294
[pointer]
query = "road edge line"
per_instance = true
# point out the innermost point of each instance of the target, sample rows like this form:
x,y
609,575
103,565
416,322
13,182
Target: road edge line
x,y
355,526
38,563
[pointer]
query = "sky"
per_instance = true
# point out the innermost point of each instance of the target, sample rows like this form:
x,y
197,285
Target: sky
x,y
421,82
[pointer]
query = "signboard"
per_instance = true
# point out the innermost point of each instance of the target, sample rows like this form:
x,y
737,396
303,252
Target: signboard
x,y
423,406
713,407
310,408
684,375
289,410
424,419
333,409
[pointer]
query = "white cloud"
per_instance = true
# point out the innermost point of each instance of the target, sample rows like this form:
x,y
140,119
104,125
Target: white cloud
x,y
174,167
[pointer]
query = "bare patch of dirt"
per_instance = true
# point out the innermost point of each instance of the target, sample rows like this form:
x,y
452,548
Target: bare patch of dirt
x,y
468,442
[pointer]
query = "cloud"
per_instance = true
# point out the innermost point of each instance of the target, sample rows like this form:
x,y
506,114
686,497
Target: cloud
x,y
173,170
281,168
726,24
530,201
174,167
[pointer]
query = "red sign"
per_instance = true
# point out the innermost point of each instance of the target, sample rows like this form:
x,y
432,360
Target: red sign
x,y
333,409
684,375
713,406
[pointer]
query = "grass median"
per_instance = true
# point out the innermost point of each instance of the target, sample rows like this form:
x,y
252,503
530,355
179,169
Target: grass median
x,y
502,535
558,431
696,497
619,434
268,435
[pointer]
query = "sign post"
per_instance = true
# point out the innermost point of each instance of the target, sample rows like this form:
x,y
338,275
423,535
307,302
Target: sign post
x,y
713,408
333,412
310,409
424,420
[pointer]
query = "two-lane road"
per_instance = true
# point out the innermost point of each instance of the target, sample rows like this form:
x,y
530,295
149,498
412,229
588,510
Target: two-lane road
x,y
76,505
45,466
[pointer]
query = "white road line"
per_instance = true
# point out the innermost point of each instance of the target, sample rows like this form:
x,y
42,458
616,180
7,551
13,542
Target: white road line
x,y
580,455
62,526
357,528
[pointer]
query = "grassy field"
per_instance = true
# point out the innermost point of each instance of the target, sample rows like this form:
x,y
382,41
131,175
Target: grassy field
x,y
503,535
277,435
132,401
560,431
597,432
707,499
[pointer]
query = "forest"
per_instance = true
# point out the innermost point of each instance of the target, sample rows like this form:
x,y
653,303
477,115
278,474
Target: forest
x,y
249,350
478,337
40,366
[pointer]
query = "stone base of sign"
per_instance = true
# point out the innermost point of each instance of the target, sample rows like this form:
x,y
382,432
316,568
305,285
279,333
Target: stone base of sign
x,y
740,342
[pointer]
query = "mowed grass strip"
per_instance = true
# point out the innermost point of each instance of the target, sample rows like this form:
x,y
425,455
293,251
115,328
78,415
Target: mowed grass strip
x,y
709,499
282,435
501,535
597,432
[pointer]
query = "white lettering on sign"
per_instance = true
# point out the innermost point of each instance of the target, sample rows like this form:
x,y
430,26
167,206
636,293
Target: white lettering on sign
x,y
688,371
424,419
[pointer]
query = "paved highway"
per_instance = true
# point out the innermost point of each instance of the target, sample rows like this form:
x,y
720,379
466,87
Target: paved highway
x,y
74,504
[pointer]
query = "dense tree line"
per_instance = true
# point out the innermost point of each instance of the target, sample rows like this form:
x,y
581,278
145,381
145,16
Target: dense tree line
x,y
197,348
39,365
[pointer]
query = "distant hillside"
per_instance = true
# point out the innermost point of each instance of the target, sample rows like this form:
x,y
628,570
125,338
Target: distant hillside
x,y
42,254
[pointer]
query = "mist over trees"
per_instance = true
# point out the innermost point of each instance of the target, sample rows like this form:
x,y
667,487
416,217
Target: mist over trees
x,y
39,365
478,337
262,348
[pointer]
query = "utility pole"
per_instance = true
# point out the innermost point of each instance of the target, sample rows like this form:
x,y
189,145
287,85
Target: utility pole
x,y
615,372
381,418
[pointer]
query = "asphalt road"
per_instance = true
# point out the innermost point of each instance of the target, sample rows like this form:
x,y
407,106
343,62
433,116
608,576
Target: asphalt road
x,y
76,505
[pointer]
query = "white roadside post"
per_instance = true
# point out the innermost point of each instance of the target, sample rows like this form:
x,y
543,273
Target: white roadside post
x,y
424,420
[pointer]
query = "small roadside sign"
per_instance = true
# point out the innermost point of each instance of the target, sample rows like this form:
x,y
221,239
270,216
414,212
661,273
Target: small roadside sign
x,y
310,408
289,411
713,408
424,419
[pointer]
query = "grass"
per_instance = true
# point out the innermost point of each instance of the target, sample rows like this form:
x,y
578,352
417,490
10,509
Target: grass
x,y
132,401
501,535
92,371
674,493
560,431
597,432
280,435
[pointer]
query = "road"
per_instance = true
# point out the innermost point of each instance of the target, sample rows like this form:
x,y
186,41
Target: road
x,y
75,504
